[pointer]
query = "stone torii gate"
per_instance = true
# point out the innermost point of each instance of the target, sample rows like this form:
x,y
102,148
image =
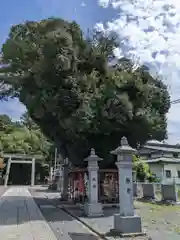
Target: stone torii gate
x,y
22,159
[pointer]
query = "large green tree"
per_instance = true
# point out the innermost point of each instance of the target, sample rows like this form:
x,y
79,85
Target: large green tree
x,y
77,92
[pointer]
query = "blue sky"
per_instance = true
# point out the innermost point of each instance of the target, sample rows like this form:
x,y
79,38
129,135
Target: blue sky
x,y
149,30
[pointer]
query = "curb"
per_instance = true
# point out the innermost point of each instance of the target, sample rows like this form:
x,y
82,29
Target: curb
x,y
85,224
78,219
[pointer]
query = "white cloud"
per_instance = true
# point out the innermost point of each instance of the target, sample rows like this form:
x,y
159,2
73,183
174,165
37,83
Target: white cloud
x,y
104,3
83,4
149,30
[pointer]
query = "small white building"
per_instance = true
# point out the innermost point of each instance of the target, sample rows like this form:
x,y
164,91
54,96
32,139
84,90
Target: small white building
x,y
163,160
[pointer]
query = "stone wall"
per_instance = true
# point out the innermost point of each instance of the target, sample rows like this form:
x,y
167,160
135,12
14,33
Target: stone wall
x,y
161,192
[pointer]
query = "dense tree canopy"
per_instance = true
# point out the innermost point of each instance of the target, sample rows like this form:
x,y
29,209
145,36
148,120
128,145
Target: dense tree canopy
x,y
15,137
77,92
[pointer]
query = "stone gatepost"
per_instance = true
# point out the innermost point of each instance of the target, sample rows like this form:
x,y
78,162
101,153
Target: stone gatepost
x,y
60,161
126,223
65,180
92,207
60,175
33,172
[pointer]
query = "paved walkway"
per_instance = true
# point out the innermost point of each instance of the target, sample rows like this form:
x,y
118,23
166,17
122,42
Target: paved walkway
x,y
20,217
2,190
64,226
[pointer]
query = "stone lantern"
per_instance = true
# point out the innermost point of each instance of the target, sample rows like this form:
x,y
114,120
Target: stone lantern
x,y
92,207
126,222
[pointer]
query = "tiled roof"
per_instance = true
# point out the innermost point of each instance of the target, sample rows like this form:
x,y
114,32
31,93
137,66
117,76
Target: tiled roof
x,y
163,159
162,148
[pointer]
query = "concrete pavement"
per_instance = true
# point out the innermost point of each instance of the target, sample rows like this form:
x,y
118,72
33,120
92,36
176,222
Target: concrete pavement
x,y
20,217
64,226
2,190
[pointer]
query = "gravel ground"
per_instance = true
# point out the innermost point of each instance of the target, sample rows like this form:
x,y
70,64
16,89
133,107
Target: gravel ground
x,y
159,221
63,225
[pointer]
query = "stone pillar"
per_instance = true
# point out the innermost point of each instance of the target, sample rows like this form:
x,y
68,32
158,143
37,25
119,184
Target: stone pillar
x,y
59,172
92,207
126,223
65,180
33,172
7,172
60,175
51,174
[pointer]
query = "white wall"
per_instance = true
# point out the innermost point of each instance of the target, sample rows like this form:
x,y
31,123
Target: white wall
x,y
157,169
173,168
160,171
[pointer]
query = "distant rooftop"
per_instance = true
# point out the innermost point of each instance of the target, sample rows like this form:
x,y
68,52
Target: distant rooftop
x,y
163,159
155,142
161,146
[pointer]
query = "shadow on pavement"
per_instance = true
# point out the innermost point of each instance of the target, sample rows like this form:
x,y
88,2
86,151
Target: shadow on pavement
x,y
82,236
19,209
79,213
45,190
153,220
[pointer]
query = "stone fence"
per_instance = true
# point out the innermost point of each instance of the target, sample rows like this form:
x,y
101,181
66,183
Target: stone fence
x,y
157,191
